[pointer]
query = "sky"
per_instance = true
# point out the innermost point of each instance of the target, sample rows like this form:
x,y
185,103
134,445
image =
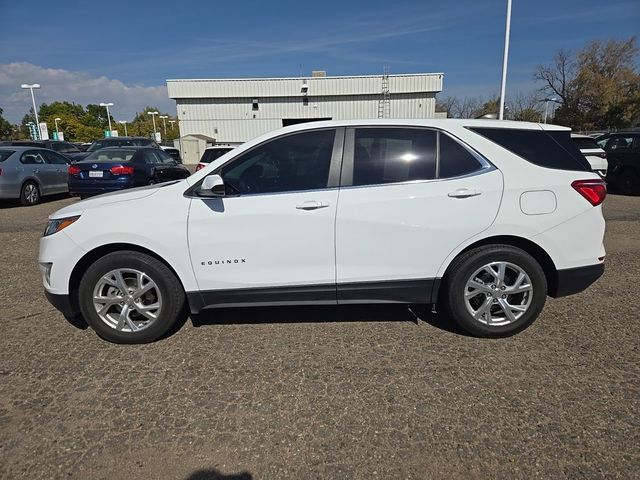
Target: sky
x,y
124,51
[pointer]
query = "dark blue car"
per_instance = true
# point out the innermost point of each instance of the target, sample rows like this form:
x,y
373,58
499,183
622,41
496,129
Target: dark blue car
x,y
115,168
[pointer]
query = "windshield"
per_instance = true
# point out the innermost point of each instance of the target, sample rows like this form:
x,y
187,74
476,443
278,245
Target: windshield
x,y
4,154
115,155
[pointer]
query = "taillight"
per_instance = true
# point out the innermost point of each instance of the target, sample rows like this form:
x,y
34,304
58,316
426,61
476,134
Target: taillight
x,y
200,166
121,170
595,191
74,170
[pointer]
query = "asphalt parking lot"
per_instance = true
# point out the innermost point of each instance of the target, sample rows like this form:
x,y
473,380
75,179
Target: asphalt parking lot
x,y
358,392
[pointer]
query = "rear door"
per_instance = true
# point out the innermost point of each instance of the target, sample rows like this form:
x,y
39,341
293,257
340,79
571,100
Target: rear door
x,y
61,167
408,197
36,166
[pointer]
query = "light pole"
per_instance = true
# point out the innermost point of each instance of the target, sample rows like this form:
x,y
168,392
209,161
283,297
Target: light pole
x,y
505,60
57,119
153,117
123,122
107,105
31,86
546,106
164,122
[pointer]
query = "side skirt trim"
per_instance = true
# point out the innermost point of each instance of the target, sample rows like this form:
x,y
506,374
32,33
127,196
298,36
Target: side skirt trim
x,y
392,291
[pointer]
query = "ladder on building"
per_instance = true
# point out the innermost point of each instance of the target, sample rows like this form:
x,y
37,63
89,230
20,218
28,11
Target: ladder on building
x,y
384,104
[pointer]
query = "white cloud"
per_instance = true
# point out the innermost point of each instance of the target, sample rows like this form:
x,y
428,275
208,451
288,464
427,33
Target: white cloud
x,y
78,87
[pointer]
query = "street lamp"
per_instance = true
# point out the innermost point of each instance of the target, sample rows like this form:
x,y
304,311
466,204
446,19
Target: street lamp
x,y
107,105
164,118
57,119
505,60
171,122
33,99
123,122
153,117
546,106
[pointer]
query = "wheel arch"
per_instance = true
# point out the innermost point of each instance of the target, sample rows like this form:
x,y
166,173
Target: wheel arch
x,y
532,248
99,252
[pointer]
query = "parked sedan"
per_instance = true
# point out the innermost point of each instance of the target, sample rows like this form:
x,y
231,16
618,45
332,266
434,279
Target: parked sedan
x,y
595,155
117,168
29,173
623,153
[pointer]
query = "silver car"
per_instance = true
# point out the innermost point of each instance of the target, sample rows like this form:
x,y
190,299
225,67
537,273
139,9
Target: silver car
x,y
29,173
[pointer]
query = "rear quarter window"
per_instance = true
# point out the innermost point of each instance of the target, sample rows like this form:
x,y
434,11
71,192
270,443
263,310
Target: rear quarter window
x,y
4,154
545,148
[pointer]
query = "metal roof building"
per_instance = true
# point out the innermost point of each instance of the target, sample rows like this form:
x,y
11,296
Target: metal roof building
x,y
236,110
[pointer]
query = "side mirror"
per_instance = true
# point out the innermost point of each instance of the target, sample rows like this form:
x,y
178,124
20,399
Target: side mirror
x,y
212,186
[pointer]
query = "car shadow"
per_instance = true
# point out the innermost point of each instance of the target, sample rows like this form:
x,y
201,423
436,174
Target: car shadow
x,y
213,474
325,314
11,203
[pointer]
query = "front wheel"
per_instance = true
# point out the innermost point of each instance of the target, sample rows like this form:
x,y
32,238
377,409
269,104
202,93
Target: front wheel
x,y
131,297
494,291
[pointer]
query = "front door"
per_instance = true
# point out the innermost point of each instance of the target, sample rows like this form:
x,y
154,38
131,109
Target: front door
x,y
410,196
271,238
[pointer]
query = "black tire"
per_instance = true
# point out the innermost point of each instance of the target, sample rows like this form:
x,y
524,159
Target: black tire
x,y
628,182
30,193
151,182
171,292
452,292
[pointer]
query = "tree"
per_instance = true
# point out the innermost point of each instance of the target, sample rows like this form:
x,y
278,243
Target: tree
x,y
598,88
6,129
525,108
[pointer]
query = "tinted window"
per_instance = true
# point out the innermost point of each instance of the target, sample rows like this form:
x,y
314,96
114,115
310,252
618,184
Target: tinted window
x,y
56,158
96,146
455,160
164,157
585,143
388,155
4,154
292,163
150,158
619,143
546,148
213,154
32,157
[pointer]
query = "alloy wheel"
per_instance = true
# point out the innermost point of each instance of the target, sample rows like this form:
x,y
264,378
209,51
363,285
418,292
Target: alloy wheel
x,y
498,293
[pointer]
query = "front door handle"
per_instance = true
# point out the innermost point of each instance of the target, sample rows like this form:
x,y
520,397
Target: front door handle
x,y
464,193
36,171
312,205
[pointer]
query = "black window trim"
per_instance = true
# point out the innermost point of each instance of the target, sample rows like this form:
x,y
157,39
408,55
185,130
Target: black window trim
x,y
349,149
335,167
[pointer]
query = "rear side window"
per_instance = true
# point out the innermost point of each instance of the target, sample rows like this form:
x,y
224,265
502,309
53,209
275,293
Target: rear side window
x,y
391,155
546,148
455,160
4,154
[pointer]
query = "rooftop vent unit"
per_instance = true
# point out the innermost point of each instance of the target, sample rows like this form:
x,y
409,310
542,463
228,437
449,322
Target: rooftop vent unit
x,y
319,73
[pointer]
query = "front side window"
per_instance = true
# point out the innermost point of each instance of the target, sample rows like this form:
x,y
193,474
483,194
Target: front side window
x,y
293,163
619,142
390,155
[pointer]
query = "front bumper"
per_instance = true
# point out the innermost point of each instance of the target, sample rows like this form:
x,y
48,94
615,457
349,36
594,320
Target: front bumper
x,y
62,303
575,280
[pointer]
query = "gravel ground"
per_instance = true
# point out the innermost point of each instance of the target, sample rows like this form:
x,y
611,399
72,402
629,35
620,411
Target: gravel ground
x,y
358,392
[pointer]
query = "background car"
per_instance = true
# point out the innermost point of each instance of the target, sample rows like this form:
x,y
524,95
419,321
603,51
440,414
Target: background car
x,y
173,151
212,153
28,173
623,155
67,149
595,155
116,168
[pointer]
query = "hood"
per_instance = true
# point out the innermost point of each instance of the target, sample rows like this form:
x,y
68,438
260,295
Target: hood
x,y
105,199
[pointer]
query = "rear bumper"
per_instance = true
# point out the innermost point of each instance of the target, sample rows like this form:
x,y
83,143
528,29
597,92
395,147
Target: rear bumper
x,y
80,188
62,303
575,280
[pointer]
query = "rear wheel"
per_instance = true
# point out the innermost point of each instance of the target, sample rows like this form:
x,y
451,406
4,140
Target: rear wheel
x,y
494,291
131,297
30,193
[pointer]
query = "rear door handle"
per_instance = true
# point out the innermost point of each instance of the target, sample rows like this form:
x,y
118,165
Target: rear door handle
x,y
312,205
464,193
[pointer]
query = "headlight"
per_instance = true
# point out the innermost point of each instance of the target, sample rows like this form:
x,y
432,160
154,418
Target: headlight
x,y
54,226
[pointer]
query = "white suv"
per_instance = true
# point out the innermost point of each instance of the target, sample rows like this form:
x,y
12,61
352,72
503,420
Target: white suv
x,y
483,218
